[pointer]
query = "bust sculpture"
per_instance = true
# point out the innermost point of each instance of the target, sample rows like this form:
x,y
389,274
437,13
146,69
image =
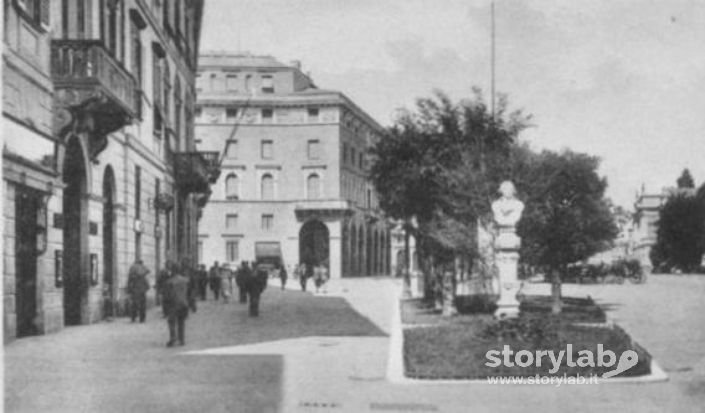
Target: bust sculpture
x,y
507,211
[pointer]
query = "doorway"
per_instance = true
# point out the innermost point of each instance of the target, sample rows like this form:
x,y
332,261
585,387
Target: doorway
x,y
75,284
314,244
109,281
27,207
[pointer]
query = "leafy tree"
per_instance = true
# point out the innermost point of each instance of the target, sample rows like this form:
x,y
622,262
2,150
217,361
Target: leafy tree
x,y
680,236
685,180
442,164
567,218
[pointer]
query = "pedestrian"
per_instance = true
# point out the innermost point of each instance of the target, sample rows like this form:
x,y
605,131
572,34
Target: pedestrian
x,y
225,283
306,271
318,277
202,278
162,278
214,280
256,284
283,275
137,286
324,278
243,274
179,297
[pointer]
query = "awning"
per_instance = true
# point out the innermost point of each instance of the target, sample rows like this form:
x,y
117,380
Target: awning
x,y
267,249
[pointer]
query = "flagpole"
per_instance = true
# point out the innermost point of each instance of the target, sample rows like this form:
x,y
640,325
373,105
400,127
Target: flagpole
x,y
492,63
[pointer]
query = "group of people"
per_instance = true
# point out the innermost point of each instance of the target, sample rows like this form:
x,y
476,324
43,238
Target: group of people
x,y
319,273
179,285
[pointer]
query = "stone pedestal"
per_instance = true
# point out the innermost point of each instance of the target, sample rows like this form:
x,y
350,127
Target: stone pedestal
x,y
509,285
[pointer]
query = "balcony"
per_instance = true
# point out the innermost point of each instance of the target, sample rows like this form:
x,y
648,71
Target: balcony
x,y
213,164
92,90
194,171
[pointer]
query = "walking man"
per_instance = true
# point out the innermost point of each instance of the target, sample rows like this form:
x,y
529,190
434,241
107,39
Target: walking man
x,y
202,278
179,297
137,286
256,284
243,274
214,279
283,275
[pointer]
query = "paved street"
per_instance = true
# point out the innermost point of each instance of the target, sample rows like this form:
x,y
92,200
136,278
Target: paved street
x,y
315,353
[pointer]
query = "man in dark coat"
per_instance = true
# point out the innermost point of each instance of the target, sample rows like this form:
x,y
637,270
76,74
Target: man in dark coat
x,y
256,284
137,286
243,274
202,279
214,279
179,297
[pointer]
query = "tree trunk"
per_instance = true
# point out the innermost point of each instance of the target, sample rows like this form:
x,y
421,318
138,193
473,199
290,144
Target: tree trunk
x,y
450,277
557,303
406,291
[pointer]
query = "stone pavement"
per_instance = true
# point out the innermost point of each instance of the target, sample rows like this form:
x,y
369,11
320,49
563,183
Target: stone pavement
x,y
329,353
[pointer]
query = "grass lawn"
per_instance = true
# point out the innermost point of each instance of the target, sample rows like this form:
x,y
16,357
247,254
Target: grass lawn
x,y
456,347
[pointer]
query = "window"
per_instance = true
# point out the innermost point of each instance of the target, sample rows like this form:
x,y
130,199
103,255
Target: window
x,y
199,83
267,84
231,114
267,222
231,221
36,11
136,50
313,186
345,152
313,149
361,161
232,251
231,150
267,149
267,187
198,112
313,114
216,83
352,156
138,190
267,115
157,124
232,190
231,83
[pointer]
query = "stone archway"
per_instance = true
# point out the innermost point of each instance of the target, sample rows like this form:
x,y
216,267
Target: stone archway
x,y
75,235
314,243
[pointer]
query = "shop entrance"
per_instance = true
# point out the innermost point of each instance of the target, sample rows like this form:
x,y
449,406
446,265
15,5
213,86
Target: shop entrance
x,y
27,207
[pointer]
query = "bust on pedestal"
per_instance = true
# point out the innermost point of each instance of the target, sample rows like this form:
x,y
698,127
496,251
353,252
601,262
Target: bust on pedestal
x,y
507,212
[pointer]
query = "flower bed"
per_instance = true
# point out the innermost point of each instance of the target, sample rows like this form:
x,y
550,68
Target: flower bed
x,y
457,347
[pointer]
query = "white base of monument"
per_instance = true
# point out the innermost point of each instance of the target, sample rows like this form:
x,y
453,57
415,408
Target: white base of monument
x,y
507,305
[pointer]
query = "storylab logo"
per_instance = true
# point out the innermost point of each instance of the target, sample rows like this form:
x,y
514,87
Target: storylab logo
x,y
585,358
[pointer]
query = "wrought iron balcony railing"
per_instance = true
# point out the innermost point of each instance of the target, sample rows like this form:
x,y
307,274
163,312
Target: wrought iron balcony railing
x,y
194,171
86,67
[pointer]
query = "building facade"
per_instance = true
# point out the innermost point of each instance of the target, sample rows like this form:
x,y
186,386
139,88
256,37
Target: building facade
x,y
293,185
99,161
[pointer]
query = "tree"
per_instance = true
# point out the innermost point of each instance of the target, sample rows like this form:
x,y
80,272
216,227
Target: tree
x,y
685,180
680,236
440,165
567,218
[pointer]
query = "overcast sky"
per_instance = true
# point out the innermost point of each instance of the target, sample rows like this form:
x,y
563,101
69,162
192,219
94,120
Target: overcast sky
x,y
624,80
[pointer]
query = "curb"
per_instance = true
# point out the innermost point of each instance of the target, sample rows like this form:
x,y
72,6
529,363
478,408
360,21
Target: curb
x,y
395,365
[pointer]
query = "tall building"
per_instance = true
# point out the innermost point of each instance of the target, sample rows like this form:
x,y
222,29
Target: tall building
x,y
293,185
99,161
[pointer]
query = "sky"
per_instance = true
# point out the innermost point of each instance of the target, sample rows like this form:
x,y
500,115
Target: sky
x,y
622,80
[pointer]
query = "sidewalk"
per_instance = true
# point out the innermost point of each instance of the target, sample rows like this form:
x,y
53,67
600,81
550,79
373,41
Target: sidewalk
x,y
329,353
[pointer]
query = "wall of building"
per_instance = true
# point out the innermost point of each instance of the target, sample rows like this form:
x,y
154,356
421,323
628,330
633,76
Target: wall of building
x,y
35,150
